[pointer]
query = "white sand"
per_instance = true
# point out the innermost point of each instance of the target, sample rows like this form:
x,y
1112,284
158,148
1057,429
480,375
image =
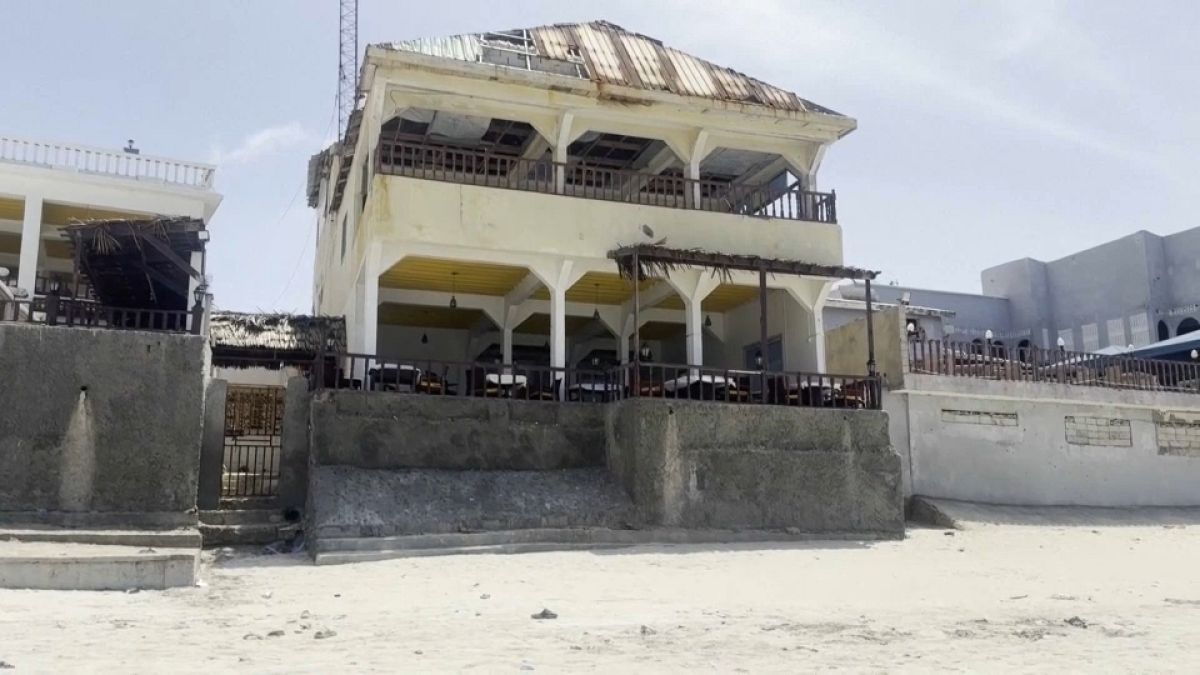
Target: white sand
x,y
995,598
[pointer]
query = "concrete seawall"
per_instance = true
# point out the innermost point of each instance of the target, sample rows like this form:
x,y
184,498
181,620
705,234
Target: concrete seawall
x,y
99,427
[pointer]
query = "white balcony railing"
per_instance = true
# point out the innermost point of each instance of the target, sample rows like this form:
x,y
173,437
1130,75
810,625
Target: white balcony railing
x,y
104,162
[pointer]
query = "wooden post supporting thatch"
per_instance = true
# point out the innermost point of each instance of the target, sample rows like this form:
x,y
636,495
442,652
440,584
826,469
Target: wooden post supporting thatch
x,y
870,332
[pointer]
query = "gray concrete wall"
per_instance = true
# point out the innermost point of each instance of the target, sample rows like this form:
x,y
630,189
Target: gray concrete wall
x,y
294,453
1046,444
99,425
705,465
212,446
409,431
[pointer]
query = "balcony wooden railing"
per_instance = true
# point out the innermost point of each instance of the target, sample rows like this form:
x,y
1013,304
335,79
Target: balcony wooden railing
x,y
101,161
470,167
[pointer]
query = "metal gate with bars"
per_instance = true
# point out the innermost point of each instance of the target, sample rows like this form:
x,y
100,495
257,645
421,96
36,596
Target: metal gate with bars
x,y
253,437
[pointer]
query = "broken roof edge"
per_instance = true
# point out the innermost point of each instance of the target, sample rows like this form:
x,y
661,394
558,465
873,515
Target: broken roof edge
x,y
655,255
841,124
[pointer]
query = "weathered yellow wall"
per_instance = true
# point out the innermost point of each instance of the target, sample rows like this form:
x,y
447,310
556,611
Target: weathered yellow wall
x,y
846,347
435,212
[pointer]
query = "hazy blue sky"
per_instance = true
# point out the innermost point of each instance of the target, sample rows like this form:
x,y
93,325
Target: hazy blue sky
x,y
987,131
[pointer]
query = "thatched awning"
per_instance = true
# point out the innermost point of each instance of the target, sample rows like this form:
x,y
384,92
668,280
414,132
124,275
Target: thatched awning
x,y
142,264
238,338
654,260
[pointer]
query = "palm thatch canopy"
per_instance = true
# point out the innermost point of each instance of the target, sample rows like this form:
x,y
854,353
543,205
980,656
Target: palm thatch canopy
x,y
241,339
143,263
653,260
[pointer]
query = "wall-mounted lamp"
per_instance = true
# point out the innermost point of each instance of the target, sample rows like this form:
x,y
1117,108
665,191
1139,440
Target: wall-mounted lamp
x,y
1062,344
988,335
758,360
645,352
707,321
424,338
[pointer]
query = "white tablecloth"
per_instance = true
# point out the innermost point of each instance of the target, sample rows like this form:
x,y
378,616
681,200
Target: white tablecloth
x,y
595,386
685,381
506,379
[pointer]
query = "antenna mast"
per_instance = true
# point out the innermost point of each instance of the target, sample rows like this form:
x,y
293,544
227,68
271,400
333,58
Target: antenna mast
x,y
347,92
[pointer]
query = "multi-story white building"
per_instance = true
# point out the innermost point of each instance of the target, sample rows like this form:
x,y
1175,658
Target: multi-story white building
x,y
471,207
45,186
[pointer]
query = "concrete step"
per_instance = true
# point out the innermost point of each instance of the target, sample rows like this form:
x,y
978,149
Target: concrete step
x,y
179,538
52,565
241,517
249,533
333,551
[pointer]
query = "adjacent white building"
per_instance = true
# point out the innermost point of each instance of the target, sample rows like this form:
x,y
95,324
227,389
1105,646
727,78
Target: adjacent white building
x,y
45,186
469,210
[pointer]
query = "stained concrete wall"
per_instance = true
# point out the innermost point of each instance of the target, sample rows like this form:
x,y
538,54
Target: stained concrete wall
x,y
703,465
99,426
846,346
1046,444
294,451
212,445
410,431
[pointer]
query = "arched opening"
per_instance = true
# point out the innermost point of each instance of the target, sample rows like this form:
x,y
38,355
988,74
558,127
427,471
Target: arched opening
x,y
1163,331
1023,350
1188,325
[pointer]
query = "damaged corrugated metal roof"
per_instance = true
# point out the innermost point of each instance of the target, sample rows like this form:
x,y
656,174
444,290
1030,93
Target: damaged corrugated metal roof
x,y
606,53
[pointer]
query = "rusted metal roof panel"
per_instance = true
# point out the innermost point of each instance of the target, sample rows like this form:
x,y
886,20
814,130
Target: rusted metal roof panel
x,y
613,55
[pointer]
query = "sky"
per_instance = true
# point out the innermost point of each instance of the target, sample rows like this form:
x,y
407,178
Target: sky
x,y
987,131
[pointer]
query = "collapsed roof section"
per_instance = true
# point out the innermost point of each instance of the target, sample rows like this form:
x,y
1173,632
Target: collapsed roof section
x,y
139,264
608,54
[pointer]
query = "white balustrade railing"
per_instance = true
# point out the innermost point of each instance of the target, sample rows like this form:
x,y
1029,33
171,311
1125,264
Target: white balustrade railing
x,y
101,161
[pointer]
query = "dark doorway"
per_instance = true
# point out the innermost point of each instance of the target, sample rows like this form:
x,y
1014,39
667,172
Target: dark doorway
x,y
1188,325
1163,331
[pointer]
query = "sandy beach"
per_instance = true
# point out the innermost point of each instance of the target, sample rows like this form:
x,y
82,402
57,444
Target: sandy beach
x,y
991,598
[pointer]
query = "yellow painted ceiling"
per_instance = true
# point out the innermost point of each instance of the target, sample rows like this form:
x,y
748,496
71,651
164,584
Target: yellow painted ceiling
x,y
10,243
723,299
54,248
603,288
64,214
61,214
12,209
395,314
539,324
662,330
434,274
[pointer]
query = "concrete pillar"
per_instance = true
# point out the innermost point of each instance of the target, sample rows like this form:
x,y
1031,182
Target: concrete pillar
x,y
507,344
212,446
558,326
694,320
31,243
370,307
293,459
623,340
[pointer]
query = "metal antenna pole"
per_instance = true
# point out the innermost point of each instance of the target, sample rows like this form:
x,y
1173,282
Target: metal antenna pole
x,y
347,93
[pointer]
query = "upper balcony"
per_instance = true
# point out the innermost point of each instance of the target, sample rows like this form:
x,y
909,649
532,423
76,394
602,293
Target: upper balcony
x,y
782,198
105,162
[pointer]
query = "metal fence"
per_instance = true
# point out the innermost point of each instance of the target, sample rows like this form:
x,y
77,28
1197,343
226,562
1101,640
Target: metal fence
x,y
472,167
53,310
253,441
1035,364
596,384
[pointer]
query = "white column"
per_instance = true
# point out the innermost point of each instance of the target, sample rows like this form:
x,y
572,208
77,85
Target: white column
x,y
816,328
558,326
623,340
31,243
694,319
370,316
507,344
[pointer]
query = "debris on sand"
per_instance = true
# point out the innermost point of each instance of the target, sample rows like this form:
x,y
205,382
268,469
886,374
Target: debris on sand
x,y
646,630
322,634
1076,622
275,633
544,614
